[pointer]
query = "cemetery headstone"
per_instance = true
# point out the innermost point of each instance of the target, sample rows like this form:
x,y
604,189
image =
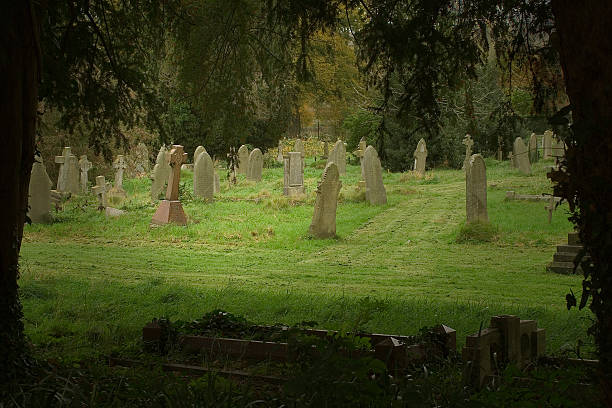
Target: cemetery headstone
x,y
243,160
138,161
512,161
197,153
325,150
547,144
323,223
375,189
85,165
557,148
279,156
100,190
293,174
338,156
39,193
533,148
170,210
203,177
420,157
255,165
468,142
161,173
476,190
298,146
68,176
521,156
119,165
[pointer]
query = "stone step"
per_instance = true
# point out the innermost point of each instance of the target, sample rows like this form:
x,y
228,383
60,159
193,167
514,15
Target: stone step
x,y
564,268
573,238
573,249
564,257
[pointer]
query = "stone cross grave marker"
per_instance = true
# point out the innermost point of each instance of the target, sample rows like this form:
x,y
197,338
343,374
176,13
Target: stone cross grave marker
x,y
323,223
39,193
255,166
100,190
420,157
68,176
161,173
375,189
338,156
243,160
293,174
468,142
533,148
476,190
85,165
521,156
547,144
204,177
119,165
170,210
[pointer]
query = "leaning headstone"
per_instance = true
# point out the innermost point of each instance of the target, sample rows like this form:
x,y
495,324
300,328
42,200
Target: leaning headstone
x,y
204,177
39,192
293,174
375,189
243,160
323,223
476,190
119,165
255,166
338,156
298,146
161,173
85,165
547,144
521,156
100,190
468,142
533,148
170,210
420,157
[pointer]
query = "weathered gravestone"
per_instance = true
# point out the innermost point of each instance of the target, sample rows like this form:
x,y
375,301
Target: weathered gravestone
x,y
323,223
360,152
547,144
243,160
204,177
197,153
512,161
138,162
375,189
557,148
468,142
420,157
39,193
293,174
325,150
298,146
85,165
476,190
533,148
100,190
170,210
68,176
338,156
119,165
161,173
521,156
279,156
255,166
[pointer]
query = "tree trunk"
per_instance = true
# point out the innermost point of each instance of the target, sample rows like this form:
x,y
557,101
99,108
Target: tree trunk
x,y
585,46
19,73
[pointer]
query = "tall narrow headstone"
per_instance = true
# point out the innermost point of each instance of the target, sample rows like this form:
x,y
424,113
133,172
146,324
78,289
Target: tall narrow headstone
x,y
255,166
85,165
243,160
325,150
293,174
161,173
521,156
170,210
74,184
68,176
547,144
298,146
468,142
375,189
119,165
338,156
101,190
39,192
323,223
476,190
420,157
204,177
533,148
279,156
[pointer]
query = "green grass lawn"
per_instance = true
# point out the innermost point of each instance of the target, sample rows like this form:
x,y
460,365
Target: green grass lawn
x,y
89,284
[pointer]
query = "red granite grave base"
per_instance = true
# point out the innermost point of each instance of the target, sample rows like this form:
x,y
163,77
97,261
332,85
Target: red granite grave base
x,y
169,212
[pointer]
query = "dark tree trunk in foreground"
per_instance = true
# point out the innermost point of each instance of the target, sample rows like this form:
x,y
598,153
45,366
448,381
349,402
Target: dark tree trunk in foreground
x,y
585,45
19,76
